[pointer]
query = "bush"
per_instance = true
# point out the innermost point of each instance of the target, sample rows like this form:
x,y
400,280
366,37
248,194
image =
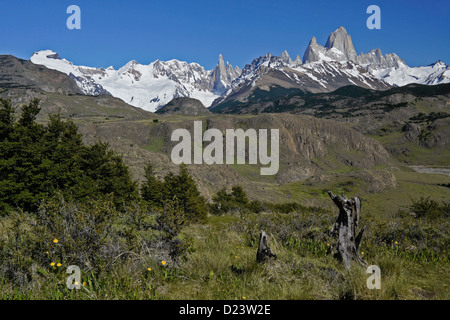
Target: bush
x,y
224,202
93,235
429,208
179,191
237,201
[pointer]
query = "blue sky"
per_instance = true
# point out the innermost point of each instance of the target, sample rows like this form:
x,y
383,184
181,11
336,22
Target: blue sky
x,y
115,32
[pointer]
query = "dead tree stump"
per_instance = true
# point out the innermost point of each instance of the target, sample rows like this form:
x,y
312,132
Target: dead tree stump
x,y
345,227
264,251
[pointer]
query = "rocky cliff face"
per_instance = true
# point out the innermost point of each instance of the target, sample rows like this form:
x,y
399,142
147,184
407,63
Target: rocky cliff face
x,y
222,76
18,73
375,60
341,41
339,46
310,149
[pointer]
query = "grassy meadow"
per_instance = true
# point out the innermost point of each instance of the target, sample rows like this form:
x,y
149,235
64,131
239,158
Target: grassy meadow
x,y
219,261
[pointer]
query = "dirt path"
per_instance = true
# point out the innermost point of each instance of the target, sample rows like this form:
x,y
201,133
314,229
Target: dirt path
x,y
438,170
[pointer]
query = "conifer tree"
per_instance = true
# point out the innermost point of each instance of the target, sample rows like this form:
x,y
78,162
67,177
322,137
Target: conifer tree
x,y
152,189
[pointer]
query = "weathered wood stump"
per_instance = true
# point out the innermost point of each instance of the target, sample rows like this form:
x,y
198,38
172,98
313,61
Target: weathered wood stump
x,y
264,251
345,228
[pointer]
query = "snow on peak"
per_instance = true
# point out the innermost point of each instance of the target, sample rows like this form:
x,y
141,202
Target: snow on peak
x,y
152,86
145,86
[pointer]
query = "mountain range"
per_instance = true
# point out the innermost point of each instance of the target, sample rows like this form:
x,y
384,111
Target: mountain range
x,y
322,69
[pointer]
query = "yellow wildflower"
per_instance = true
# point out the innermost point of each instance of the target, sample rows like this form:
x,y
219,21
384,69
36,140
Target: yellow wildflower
x,y
59,265
55,240
163,263
52,264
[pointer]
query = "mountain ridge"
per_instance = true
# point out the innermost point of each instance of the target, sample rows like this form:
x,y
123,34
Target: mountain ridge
x,y
323,69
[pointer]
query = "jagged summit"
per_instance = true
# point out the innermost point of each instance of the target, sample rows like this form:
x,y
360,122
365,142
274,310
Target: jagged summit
x,y
339,47
222,76
324,68
286,58
342,41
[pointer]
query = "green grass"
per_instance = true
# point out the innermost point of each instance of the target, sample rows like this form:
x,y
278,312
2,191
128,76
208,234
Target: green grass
x,y
156,144
220,263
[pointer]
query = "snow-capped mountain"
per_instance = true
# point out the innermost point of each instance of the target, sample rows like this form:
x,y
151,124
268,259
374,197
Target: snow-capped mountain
x,y
327,68
402,75
324,75
323,69
389,67
339,47
146,86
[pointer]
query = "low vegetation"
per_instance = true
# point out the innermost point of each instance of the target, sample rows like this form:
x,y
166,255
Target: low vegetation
x,y
64,203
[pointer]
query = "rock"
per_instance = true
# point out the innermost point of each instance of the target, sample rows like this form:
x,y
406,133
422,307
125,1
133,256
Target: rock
x,y
342,41
186,106
286,58
339,46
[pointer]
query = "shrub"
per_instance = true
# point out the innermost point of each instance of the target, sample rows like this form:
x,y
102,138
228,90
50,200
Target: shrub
x,y
179,191
429,208
93,235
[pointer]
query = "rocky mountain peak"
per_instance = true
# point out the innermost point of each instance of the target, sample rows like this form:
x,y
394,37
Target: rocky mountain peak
x,y
342,41
223,75
313,51
285,57
375,60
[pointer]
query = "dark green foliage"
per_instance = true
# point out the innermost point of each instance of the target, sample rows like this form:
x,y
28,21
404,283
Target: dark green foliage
x,y
38,160
237,201
105,173
239,196
225,202
183,191
428,118
294,100
171,219
430,209
152,189
179,191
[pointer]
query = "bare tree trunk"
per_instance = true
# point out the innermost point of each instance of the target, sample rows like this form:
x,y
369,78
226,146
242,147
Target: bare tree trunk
x,y
264,251
345,227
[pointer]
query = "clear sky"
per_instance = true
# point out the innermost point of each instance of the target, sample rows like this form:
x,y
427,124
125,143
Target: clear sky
x,y
115,32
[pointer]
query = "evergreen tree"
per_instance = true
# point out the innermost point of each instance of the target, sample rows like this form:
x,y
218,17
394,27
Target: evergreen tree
x,y
239,196
152,189
37,160
105,173
225,202
184,192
